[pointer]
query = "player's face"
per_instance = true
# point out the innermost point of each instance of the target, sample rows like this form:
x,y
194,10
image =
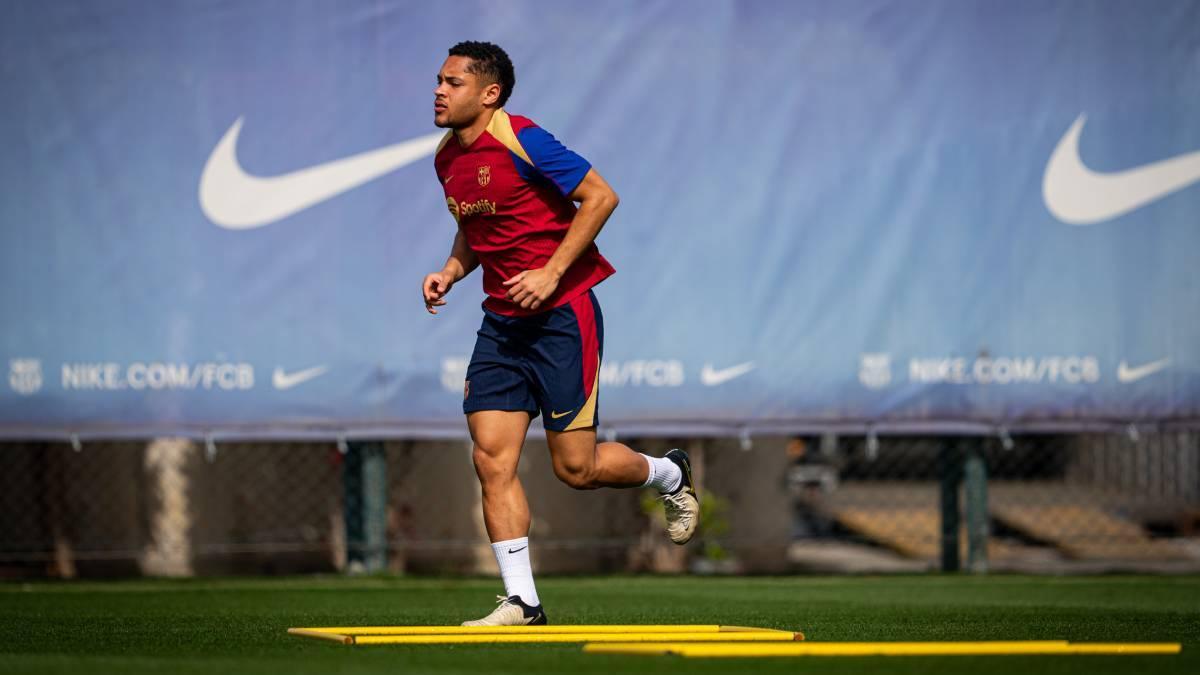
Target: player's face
x,y
460,96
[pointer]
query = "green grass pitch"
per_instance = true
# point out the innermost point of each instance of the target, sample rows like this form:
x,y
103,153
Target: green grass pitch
x,y
238,625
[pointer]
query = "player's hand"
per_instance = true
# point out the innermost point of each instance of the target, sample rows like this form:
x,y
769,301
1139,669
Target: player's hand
x,y
434,289
530,288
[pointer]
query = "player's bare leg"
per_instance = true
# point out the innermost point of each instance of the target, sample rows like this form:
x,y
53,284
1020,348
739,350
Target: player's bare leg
x,y
584,464
498,437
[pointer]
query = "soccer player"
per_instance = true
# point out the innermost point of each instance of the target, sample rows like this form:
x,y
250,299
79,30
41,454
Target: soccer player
x,y
512,189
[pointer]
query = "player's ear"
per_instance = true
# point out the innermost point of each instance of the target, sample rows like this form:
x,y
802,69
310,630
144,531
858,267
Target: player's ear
x,y
491,94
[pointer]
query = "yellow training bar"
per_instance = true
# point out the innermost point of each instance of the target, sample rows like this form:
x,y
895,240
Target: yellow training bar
x,y
884,649
535,637
321,635
490,630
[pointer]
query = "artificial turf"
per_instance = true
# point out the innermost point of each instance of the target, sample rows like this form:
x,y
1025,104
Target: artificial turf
x,y
238,625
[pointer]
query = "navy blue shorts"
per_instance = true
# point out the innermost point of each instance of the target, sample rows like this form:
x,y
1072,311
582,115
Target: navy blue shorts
x,y
548,362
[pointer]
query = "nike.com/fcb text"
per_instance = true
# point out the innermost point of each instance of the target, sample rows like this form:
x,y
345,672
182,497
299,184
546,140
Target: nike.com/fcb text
x,y
158,375
1005,370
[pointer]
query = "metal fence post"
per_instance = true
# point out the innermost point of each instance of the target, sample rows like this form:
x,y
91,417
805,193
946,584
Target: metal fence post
x,y
975,480
364,475
950,472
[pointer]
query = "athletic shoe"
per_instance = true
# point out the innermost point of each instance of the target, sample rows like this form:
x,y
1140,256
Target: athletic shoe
x,y
511,612
682,505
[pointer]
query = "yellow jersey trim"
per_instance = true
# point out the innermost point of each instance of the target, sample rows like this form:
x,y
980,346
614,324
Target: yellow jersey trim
x,y
587,414
501,129
442,143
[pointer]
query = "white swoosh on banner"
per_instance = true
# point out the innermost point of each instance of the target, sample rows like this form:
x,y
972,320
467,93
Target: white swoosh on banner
x,y
283,380
1125,374
711,378
233,199
1079,196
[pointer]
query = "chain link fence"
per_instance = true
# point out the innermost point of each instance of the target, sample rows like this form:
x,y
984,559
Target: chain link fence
x,y
1050,503
177,507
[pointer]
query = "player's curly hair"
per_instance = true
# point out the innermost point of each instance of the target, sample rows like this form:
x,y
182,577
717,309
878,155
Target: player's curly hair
x,y
491,62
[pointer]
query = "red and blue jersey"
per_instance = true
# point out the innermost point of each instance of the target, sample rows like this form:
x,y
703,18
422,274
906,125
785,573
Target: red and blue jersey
x,y
508,191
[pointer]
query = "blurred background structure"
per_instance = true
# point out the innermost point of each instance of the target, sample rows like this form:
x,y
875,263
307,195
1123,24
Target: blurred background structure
x,y
915,283
1053,504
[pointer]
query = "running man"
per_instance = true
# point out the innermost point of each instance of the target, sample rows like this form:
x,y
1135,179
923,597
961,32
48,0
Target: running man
x,y
512,189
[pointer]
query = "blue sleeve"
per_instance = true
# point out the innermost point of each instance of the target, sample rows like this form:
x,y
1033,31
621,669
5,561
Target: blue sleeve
x,y
552,159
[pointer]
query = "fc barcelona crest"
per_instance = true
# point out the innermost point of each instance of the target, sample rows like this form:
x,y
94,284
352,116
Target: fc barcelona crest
x,y
485,175
25,376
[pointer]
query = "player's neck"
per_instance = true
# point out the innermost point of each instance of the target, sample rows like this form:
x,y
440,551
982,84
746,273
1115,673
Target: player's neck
x,y
467,135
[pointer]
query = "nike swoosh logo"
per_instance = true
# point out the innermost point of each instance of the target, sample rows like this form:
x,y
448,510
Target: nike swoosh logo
x,y
283,380
711,378
1125,374
1079,196
557,415
517,550
235,200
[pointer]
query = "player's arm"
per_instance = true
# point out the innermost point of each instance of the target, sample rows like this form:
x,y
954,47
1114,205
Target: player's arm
x,y
597,201
462,261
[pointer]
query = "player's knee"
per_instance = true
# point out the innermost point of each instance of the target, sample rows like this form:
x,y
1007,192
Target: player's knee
x,y
490,465
577,475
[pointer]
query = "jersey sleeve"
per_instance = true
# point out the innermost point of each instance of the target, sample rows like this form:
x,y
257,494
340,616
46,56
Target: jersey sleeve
x,y
552,159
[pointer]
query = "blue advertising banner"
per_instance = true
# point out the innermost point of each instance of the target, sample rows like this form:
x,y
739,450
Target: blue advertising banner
x,y
902,216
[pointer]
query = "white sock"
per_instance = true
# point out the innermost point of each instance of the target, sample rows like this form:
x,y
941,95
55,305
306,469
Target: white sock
x,y
513,557
664,474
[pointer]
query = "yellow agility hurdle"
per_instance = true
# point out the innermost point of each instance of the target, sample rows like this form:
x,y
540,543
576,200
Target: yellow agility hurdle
x,y
581,628
728,650
431,635
559,638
